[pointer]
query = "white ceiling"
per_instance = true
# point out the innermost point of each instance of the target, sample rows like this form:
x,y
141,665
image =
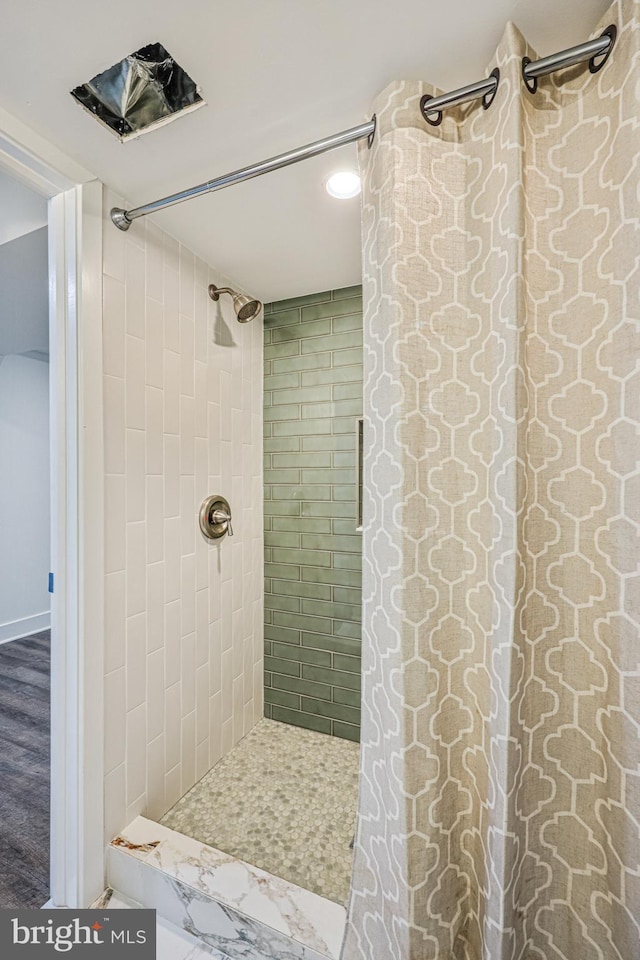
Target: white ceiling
x,y
275,74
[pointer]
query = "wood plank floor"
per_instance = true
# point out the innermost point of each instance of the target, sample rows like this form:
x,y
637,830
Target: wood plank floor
x,y
24,771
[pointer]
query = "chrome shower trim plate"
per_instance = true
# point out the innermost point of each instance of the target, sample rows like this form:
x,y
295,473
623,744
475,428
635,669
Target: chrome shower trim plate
x,y
215,517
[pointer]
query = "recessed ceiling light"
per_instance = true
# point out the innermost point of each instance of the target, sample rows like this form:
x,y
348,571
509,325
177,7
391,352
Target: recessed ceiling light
x,y
344,185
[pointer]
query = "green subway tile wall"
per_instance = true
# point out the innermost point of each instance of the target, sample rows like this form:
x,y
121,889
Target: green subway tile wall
x,y
313,553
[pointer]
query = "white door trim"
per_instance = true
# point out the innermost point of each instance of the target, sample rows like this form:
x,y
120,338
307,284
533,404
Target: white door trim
x,y
77,509
77,614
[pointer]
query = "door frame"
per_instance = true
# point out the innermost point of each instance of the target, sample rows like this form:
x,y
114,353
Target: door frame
x,y
77,507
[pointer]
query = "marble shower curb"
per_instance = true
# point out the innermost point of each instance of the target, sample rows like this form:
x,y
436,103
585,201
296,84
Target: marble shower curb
x,y
230,905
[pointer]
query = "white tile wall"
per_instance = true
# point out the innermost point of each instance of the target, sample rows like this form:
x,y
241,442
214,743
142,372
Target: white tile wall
x,y
183,419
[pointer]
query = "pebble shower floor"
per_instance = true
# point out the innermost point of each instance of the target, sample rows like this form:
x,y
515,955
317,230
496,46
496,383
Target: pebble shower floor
x,y
284,800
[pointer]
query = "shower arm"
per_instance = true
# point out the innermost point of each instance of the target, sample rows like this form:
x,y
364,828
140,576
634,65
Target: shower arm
x,y
214,292
431,108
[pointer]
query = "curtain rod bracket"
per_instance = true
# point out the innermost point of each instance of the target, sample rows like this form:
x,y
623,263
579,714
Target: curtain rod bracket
x,y
120,218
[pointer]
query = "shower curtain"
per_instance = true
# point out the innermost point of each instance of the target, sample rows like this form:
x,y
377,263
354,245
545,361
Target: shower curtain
x,y
500,785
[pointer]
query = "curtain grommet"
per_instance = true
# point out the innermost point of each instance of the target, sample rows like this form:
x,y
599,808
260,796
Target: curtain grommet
x,y
488,98
371,136
530,84
612,32
436,120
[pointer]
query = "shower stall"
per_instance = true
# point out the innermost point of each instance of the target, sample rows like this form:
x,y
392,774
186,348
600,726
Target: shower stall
x,y
294,791
240,819
285,798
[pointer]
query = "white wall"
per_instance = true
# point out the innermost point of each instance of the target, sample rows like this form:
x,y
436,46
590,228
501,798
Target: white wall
x,y
24,496
21,210
24,413
183,419
24,293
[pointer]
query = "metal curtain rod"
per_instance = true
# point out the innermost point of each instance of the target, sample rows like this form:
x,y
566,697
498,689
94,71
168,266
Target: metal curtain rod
x,y
486,89
124,218
431,108
599,47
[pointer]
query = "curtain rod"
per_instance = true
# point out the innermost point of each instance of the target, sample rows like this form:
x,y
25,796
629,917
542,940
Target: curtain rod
x,y
531,70
432,107
124,218
599,47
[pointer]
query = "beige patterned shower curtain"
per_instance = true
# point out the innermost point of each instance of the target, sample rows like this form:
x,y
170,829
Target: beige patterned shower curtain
x,y
500,789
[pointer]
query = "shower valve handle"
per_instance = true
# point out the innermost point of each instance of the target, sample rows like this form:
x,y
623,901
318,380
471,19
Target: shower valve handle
x,y
221,516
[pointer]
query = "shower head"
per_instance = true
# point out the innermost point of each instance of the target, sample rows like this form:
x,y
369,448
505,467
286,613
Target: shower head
x,y
246,308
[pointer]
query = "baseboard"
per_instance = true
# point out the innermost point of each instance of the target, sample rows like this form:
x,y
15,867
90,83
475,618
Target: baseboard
x,y
17,629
